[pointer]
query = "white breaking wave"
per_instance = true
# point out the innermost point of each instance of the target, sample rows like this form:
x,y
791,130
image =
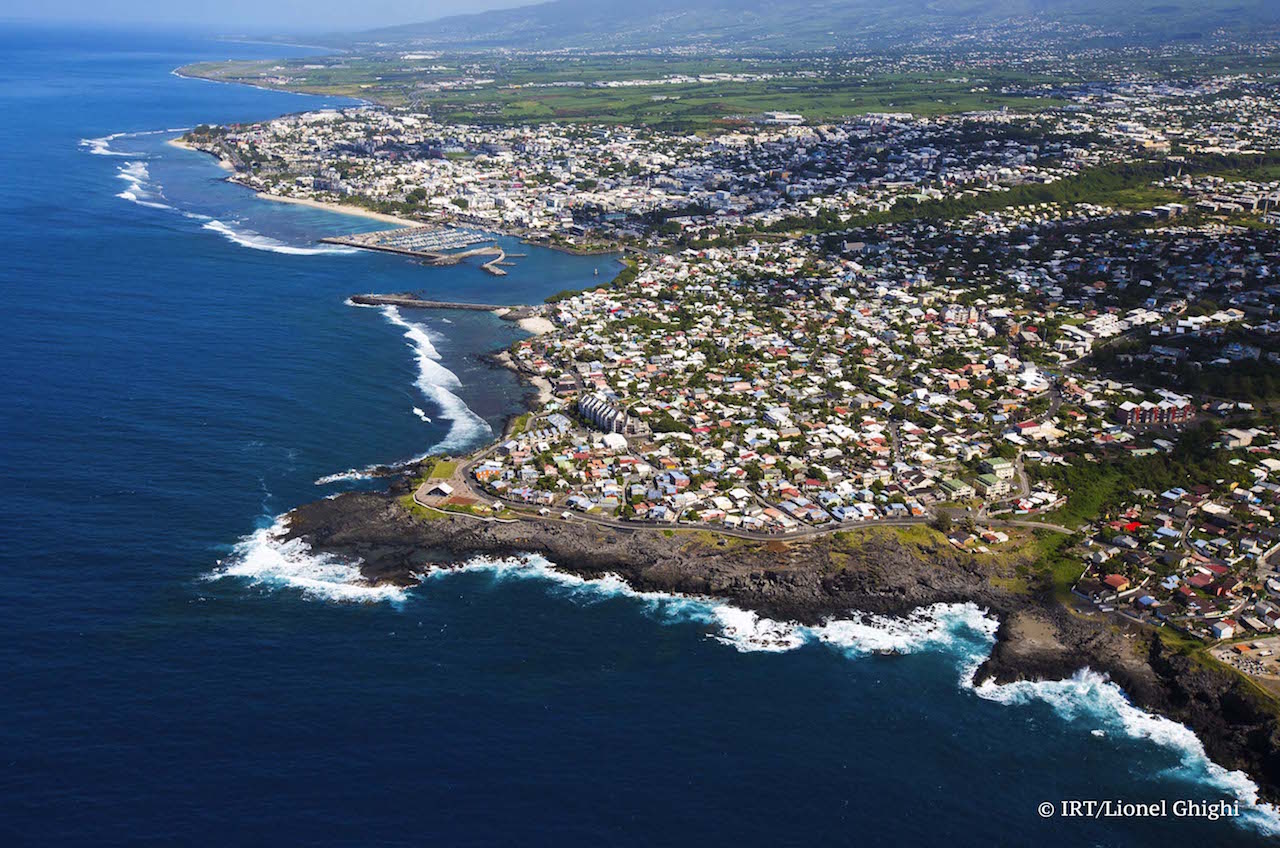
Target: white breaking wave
x,y
966,627
929,627
435,381
141,190
265,558
348,476
926,628
102,146
257,241
1091,697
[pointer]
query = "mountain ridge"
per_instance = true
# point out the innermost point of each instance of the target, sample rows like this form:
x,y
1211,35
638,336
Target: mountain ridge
x,y
830,24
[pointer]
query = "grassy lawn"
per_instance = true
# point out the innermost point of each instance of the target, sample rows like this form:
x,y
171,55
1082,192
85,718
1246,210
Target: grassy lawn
x,y
443,470
420,512
1060,567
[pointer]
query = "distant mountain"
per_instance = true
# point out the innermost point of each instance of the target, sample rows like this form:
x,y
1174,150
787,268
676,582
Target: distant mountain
x,y
800,24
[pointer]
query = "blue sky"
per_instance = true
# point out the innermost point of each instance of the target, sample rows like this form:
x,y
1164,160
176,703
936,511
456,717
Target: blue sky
x,y
236,16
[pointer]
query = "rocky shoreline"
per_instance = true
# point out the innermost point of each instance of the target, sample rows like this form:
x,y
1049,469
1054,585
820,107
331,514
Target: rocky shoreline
x,y
873,571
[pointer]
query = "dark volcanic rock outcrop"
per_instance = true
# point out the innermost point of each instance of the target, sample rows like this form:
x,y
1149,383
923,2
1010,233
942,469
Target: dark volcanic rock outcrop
x,y
827,576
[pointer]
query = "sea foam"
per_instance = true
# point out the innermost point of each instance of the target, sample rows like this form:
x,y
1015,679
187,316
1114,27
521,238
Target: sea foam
x,y
964,629
265,558
101,146
436,383
141,189
1091,698
257,241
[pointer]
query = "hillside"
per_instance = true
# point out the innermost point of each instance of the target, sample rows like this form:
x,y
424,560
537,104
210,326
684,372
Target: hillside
x,y
825,24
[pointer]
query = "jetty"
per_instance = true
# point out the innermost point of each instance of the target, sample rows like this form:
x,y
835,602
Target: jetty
x,y
433,245
412,301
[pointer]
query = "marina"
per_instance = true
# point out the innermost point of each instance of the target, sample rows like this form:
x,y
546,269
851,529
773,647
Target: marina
x,y
433,245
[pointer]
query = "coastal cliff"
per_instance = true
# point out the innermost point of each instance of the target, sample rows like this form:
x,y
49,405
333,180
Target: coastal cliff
x,y
876,570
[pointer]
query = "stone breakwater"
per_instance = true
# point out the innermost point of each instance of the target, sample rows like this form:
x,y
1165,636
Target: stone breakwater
x,y
820,578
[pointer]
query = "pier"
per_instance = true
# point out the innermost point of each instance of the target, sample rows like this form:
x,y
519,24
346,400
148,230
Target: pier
x,y
433,245
412,301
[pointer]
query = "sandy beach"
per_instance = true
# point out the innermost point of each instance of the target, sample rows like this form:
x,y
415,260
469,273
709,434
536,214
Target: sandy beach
x,y
341,209
222,163
536,325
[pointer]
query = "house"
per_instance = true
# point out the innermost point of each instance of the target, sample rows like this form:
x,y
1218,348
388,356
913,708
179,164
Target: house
x,y
1224,629
1116,582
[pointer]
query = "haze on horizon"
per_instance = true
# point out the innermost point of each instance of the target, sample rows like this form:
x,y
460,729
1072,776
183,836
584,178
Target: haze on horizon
x,y
248,16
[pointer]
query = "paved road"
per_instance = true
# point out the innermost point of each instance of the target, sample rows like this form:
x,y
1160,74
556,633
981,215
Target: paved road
x,y
463,483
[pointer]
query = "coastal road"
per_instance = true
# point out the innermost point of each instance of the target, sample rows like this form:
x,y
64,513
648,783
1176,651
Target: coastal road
x,y
462,483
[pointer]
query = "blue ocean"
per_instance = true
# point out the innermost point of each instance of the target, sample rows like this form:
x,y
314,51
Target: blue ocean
x,y
181,367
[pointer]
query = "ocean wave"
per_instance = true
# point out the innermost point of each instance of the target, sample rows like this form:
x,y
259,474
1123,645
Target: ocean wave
x,y
939,626
965,629
930,627
257,241
266,558
1090,697
351,475
141,190
101,146
435,382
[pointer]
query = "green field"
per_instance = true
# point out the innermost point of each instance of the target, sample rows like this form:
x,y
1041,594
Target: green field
x,y
519,89
443,470
515,92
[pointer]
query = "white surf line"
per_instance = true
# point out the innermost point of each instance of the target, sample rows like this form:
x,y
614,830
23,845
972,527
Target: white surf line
x,y
436,383
256,241
265,558
1086,694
